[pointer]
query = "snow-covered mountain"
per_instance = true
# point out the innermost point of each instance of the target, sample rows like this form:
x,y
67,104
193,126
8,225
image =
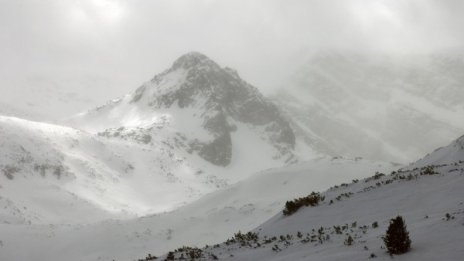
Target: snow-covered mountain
x,y
385,107
77,194
428,194
191,130
195,152
197,107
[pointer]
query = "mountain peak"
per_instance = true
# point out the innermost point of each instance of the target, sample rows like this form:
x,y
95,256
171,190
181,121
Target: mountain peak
x,y
193,59
207,108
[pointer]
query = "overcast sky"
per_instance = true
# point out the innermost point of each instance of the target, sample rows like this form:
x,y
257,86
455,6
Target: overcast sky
x,y
60,57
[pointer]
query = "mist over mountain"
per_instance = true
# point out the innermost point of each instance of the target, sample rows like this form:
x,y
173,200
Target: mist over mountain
x,y
385,107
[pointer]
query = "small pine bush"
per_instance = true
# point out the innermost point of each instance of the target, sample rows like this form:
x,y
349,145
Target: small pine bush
x,y
349,241
397,238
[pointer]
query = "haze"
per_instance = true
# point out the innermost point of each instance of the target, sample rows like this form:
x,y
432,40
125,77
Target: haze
x,y
62,57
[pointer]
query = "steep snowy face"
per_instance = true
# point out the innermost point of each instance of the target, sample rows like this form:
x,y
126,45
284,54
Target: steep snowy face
x,y
199,107
383,108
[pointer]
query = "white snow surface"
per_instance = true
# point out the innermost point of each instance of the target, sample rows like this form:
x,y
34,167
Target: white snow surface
x,y
445,155
212,218
61,165
431,202
98,234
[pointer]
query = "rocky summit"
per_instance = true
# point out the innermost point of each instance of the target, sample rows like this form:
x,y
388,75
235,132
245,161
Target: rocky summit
x,y
214,101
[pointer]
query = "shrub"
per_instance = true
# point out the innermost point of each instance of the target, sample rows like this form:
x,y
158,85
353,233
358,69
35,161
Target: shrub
x,y
170,256
243,239
338,230
8,171
397,238
349,241
195,253
291,207
428,170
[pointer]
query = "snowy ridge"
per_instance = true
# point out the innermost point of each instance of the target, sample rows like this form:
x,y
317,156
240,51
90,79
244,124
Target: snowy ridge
x,y
445,155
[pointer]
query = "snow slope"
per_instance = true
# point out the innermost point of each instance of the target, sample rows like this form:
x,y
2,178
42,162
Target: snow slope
x,y
445,155
54,174
430,199
212,218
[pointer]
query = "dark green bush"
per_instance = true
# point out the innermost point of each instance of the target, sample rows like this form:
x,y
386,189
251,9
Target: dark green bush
x,y
312,199
397,238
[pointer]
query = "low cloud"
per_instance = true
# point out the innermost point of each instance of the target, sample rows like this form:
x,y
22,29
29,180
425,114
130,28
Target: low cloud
x,y
124,43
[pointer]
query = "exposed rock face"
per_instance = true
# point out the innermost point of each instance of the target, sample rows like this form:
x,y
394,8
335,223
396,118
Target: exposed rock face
x,y
218,100
223,98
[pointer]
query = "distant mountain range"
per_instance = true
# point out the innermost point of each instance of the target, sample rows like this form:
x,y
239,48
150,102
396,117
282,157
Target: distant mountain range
x,y
393,108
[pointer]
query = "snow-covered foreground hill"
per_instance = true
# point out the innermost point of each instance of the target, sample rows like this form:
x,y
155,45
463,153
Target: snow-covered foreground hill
x,y
428,194
213,218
